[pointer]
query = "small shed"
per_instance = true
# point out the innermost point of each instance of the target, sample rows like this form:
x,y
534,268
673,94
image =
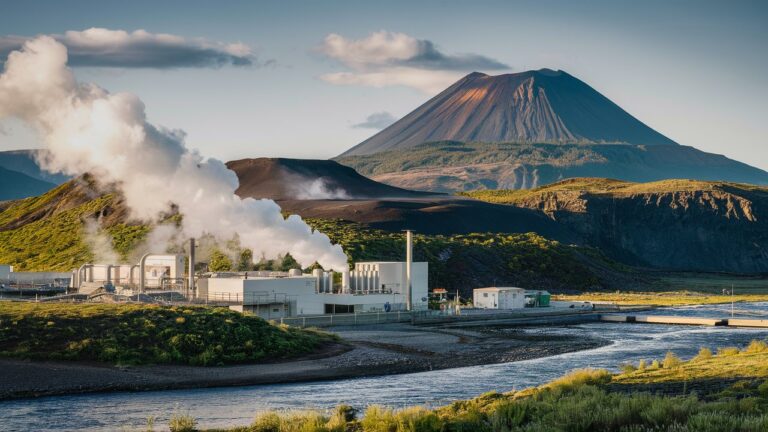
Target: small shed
x,y
537,298
499,298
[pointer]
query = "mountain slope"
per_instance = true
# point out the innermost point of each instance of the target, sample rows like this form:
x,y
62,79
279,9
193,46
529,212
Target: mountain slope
x,y
15,185
24,161
534,106
673,224
454,166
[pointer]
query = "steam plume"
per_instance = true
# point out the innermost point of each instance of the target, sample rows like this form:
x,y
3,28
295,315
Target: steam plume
x,y
87,129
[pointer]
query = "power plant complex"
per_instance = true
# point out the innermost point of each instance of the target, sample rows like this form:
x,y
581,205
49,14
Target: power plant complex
x,y
381,286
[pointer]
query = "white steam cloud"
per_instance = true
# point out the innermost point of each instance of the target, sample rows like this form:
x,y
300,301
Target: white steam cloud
x,y
87,129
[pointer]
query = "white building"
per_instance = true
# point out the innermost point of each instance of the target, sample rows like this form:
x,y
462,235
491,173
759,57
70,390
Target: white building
x,y
498,298
371,287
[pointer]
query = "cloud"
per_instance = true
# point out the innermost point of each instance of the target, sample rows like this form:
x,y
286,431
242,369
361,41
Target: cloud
x,y
386,58
378,120
100,47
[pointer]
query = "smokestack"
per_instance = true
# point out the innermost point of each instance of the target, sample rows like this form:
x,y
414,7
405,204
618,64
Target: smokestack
x,y
191,271
408,268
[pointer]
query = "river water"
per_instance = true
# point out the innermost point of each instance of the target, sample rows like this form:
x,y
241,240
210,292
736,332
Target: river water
x,y
221,407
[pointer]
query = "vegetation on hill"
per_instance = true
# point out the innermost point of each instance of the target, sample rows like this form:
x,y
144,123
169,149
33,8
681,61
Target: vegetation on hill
x,y
611,187
734,398
454,153
147,334
482,259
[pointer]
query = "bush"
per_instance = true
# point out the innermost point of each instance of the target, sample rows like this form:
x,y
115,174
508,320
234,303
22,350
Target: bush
x,y
182,423
671,361
627,368
704,354
728,351
756,346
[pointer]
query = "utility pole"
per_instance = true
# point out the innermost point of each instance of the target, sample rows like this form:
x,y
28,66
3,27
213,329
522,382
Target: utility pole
x,y
731,300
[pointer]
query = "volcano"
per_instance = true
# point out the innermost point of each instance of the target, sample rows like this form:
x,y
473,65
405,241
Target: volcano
x,y
542,106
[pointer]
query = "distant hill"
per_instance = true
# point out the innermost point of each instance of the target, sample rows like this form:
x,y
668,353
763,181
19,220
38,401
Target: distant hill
x,y
671,224
15,185
327,190
24,162
542,106
284,179
454,166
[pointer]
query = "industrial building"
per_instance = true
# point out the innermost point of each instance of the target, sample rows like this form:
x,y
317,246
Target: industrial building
x,y
382,286
31,280
371,287
160,272
498,298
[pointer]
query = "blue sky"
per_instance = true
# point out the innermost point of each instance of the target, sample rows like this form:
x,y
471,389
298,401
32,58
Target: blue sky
x,y
693,70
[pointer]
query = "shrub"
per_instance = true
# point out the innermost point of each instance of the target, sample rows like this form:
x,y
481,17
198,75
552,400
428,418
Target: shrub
x,y
182,423
704,354
671,361
728,351
418,419
627,368
580,377
641,365
756,346
379,419
655,365
266,422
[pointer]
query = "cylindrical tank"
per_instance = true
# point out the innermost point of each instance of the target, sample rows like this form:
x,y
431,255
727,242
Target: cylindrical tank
x,y
345,281
329,282
318,274
294,272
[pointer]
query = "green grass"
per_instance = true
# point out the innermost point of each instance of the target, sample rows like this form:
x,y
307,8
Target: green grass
x,y
147,334
582,400
610,187
663,298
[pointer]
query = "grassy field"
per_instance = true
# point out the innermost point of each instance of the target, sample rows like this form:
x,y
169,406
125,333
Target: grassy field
x,y
663,298
147,334
583,400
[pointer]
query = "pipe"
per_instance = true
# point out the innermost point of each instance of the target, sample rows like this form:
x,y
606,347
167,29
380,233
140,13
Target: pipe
x,y
142,272
108,270
408,269
191,270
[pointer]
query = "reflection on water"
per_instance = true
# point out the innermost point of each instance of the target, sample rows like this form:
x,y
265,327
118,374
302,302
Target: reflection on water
x,y
237,406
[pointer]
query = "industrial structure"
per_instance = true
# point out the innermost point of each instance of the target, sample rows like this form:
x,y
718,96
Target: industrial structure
x,y
498,298
158,272
371,287
381,286
509,298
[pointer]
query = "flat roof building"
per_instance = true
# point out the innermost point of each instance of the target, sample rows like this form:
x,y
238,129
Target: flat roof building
x,y
498,298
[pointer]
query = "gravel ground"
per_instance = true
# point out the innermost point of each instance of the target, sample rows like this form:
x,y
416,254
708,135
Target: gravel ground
x,y
367,351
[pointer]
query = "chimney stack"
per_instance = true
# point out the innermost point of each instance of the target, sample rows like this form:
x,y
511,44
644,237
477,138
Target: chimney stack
x,y
191,271
408,269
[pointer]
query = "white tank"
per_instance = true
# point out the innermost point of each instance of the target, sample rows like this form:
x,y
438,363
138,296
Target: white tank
x,y
294,272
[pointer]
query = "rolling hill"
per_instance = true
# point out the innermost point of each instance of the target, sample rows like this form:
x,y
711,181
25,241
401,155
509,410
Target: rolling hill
x,y
15,185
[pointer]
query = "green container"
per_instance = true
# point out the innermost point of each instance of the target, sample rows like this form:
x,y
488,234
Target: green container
x,y
537,298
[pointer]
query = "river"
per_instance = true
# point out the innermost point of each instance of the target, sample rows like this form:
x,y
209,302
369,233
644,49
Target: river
x,y
221,407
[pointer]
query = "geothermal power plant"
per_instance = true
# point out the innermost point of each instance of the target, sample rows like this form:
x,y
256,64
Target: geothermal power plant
x,y
376,286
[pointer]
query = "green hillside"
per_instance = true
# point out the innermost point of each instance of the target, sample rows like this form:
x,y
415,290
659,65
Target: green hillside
x,y
614,188
46,232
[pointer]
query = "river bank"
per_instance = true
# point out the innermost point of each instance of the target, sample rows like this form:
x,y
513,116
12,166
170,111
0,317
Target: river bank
x,y
365,352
